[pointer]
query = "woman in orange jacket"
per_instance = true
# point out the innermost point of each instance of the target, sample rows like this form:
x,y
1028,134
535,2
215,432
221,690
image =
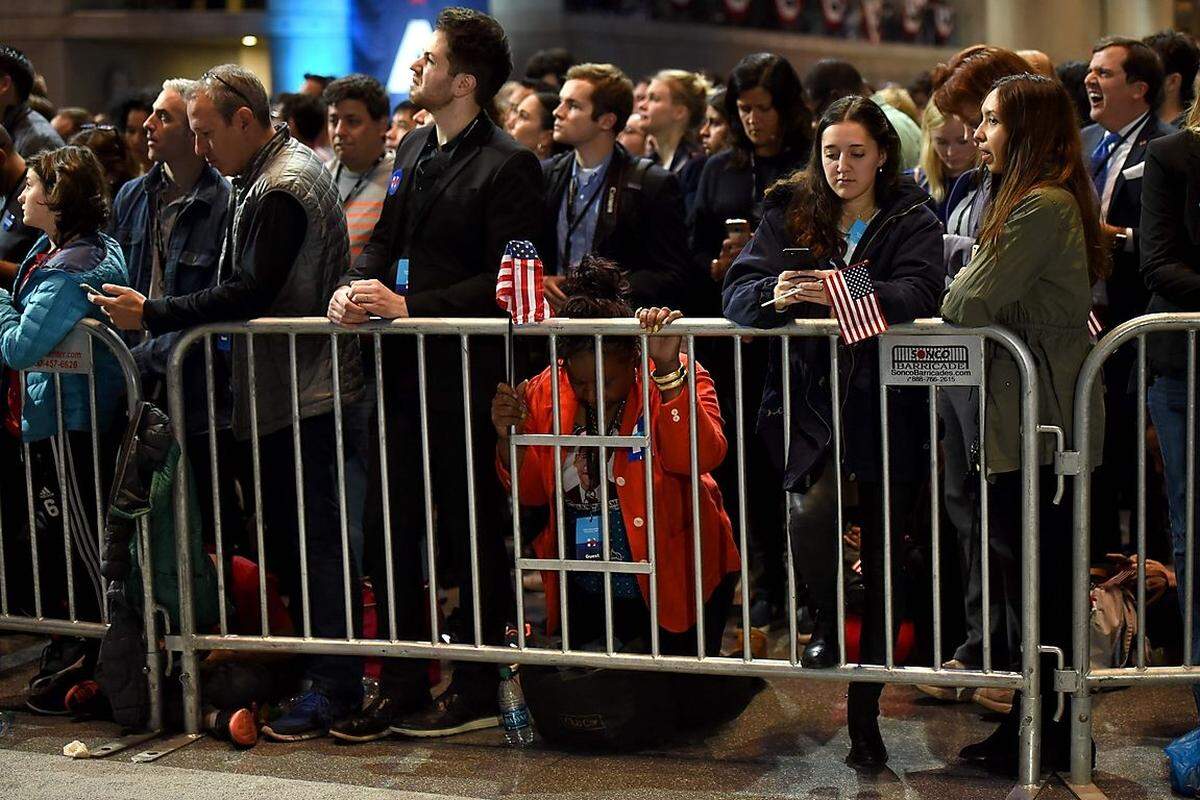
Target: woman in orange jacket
x,y
596,290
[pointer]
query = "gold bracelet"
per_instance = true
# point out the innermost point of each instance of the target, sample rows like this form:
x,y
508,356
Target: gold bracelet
x,y
674,381
670,376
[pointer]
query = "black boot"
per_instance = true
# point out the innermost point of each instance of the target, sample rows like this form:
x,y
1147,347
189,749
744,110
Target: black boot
x,y
821,652
867,750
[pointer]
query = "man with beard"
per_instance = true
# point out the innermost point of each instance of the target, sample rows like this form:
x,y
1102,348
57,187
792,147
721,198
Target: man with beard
x,y
459,191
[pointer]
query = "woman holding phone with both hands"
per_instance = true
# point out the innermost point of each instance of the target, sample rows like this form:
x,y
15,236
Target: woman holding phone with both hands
x,y
848,206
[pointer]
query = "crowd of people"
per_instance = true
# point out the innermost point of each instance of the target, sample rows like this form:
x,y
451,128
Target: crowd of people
x,y
994,189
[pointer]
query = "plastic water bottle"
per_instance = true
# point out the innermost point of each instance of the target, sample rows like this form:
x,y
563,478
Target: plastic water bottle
x,y
514,714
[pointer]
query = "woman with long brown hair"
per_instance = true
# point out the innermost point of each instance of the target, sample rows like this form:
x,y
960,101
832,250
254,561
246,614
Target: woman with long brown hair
x,y
849,207
1039,252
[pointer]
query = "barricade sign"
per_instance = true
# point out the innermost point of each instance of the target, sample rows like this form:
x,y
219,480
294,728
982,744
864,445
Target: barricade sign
x,y
72,354
931,361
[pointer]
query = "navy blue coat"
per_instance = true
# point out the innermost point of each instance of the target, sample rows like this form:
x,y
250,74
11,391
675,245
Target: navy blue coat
x,y
903,246
192,255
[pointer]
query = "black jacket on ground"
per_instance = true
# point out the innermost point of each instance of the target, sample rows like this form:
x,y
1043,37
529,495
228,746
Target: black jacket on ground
x,y
641,228
903,247
1170,246
454,238
1127,294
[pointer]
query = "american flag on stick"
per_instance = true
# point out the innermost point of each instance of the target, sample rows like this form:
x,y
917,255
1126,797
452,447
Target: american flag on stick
x,y
1095,328
519,284
854,301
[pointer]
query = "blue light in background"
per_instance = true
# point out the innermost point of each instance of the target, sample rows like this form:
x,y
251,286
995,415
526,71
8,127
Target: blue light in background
x,y
308,36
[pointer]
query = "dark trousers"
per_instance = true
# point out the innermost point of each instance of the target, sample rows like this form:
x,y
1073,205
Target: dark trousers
x,y
233,473
1054,569
631,621
337,676
815,545
64,524
448,467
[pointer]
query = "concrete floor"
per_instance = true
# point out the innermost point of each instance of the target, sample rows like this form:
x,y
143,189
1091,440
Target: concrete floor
x,y
790,743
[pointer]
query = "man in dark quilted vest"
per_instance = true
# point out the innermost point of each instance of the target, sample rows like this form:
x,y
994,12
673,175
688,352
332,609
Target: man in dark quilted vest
x,y
285,248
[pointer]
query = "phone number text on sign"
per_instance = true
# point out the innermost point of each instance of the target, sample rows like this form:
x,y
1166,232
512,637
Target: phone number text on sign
x,y
931,361
73,354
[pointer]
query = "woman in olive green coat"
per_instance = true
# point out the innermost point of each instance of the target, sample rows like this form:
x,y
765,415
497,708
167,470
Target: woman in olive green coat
x,y
1039,252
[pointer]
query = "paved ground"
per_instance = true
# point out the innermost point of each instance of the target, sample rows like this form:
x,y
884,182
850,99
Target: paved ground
x,y
788,744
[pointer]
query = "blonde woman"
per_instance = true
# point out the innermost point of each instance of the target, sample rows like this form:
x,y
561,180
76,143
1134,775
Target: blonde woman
x,y
674,111
947,154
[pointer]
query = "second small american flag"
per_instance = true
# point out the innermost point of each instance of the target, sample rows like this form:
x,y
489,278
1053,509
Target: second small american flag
x,y
854,301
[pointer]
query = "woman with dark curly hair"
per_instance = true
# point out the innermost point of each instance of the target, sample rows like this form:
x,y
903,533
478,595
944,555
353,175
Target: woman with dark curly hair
x,y
596,289
849,206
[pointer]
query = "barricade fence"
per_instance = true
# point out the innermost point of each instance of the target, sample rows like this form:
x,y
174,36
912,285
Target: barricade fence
x,y
918,360
47,589
1138,335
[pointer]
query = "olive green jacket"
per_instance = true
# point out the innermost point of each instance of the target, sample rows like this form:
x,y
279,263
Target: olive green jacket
x,y
1033,280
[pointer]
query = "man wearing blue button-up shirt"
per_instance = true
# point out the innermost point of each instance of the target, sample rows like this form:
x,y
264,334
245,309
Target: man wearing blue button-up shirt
x,y
602,200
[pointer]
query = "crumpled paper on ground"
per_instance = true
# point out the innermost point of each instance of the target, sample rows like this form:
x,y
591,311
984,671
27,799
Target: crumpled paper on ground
x,y
76,749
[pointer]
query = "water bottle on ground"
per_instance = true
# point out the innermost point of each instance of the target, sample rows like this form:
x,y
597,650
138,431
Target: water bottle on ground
x,y
514,714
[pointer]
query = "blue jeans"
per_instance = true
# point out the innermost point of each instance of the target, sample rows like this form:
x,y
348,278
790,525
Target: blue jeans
x,y
1167,401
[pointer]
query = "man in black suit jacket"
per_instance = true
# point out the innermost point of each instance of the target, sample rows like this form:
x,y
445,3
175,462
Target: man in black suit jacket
x,y
602,200
1123,83
461,189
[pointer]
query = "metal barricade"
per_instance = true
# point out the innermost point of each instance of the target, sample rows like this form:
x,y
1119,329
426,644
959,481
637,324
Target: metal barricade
x,y
75,355
465,331
1083,681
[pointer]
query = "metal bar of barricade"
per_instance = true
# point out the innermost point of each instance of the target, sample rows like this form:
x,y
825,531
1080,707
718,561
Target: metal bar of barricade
x,y
888,637
256,469
340,463
697,544
385,488
189,673
835,395
556,423
743,509
515,496
472,519
298,463
97,495
1029,738
648,460
210,402
935,536
602,480
1189,511
1141,502
985,561
793,645
427,486
64,492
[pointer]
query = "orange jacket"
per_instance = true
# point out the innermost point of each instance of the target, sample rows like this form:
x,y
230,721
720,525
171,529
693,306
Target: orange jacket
x,y
672,492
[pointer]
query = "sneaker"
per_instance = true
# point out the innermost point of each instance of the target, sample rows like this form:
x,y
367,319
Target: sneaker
x,y
239,726
65,662
453,712
309,717
376,720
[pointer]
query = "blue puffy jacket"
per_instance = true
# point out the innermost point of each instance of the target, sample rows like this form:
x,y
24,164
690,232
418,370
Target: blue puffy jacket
x,y
47,306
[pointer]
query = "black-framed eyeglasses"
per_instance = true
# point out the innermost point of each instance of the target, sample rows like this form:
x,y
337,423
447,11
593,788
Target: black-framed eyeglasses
x,y
227,85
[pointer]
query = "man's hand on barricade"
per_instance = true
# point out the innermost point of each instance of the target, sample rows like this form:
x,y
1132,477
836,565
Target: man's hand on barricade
x,y
375,298
509,408
343,311
123,306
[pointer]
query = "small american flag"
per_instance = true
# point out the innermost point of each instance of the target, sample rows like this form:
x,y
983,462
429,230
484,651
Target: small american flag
x,y
519,284
1095,328
853,296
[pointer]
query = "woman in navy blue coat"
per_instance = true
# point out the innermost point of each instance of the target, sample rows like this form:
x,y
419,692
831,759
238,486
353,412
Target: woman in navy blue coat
x,y
849,206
